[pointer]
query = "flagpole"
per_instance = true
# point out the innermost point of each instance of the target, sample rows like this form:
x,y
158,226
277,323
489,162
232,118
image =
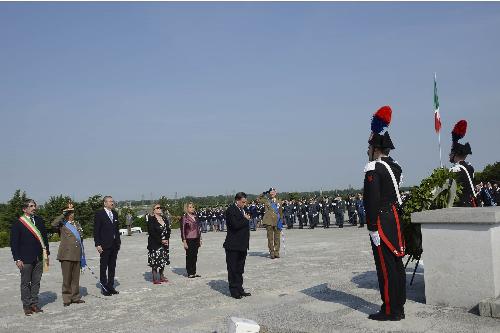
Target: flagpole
x,y
439,143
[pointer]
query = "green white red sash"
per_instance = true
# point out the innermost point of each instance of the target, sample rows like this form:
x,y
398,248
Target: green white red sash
x,y
26,221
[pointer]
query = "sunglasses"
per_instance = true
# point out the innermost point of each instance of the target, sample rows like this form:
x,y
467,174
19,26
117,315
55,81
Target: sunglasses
x,y
157,207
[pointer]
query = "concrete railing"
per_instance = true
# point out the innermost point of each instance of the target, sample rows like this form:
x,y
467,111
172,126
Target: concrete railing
x,y
461,255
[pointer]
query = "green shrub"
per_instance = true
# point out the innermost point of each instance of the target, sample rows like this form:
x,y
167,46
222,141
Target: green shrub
x,y
4,239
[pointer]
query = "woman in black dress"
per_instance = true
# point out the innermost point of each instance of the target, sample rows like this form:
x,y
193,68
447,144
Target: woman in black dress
x,y
158,243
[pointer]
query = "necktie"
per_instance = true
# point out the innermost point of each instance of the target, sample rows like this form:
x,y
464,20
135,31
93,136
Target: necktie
x,y
110,214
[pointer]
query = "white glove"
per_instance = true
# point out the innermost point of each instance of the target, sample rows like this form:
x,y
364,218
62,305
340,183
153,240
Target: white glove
x,y
375,237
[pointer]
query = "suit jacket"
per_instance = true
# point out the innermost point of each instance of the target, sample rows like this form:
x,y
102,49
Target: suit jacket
x,y
270,217
106,233
24,245
69,248
238,231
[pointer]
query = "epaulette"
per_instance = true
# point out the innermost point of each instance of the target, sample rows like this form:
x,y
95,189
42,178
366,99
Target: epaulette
x,y
370,166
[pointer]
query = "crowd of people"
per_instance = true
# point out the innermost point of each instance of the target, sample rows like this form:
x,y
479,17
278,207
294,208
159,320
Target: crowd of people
x,y
300,213
376,207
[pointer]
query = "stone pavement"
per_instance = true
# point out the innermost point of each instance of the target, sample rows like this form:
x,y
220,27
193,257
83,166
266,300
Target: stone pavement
x,y
324,283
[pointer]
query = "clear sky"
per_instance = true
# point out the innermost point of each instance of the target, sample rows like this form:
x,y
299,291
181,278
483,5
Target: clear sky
x,y
134,99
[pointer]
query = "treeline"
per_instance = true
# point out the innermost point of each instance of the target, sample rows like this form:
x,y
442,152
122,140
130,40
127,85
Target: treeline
x,y
85,210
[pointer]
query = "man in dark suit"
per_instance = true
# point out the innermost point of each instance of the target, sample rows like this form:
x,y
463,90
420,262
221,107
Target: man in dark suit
x,y
107,242
27,250
236,244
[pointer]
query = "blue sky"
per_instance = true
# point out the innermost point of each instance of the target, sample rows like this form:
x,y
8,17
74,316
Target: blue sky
x,y
134,99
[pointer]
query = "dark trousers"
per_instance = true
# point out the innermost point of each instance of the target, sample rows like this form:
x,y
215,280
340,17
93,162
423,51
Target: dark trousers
x,y
326,219
192,255
108,265
362,219
339,219
31,274
312,222
235,261
352,218
391,279
71,281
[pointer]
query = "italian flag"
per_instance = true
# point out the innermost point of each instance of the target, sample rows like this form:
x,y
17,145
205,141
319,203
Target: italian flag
x,y
437,117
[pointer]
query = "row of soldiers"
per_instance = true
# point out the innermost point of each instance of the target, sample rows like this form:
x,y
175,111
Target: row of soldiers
x,y
307,212
304,211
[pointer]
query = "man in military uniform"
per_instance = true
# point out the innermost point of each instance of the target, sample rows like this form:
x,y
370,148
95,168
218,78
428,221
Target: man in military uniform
x,y
339,211
288,212
360,209
273,220
313,213
351,211
301,214
325,213
381,195
464,169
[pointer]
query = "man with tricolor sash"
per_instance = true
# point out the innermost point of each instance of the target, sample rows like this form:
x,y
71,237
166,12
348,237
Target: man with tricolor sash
x,y
30,250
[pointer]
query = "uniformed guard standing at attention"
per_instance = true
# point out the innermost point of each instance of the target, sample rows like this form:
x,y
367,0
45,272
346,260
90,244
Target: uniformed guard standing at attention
x,y
381,195
339,211
273,220
325,213
465,171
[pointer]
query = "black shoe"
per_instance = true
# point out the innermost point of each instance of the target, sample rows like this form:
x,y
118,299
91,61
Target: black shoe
x,y
197,275
114,292
191,276
66,304
236,296
341,226
381,316
105,293
361,226
245,294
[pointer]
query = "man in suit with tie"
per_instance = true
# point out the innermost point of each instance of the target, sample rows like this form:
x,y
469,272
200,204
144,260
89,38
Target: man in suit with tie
x,y
236,244
30,250
107,242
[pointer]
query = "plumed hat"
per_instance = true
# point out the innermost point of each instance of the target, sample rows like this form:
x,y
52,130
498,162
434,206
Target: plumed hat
x,y
380,138
457,134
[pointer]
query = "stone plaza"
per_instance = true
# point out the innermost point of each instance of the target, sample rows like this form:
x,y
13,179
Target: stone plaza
x,y
325,281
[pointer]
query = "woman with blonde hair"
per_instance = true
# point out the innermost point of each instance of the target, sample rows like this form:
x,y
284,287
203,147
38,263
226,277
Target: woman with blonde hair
x,y
191,238
158,243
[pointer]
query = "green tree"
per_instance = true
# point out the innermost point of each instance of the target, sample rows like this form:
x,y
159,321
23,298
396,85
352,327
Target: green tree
x,y
490,173
52,209
9,213
85,211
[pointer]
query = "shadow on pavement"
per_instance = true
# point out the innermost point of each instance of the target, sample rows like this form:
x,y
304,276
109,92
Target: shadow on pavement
x,y
98,285
220,286
415,292
258,254
46,297
179,271
148,276
323,293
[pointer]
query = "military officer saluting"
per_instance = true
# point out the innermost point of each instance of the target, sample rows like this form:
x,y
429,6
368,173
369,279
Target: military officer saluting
x,y
381,195
465,171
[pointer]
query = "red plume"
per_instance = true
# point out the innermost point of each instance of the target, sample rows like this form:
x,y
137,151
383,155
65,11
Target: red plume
x,y
384,114
459,130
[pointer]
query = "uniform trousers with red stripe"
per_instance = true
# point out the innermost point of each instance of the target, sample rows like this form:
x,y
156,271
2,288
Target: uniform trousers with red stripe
x,y
391,279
